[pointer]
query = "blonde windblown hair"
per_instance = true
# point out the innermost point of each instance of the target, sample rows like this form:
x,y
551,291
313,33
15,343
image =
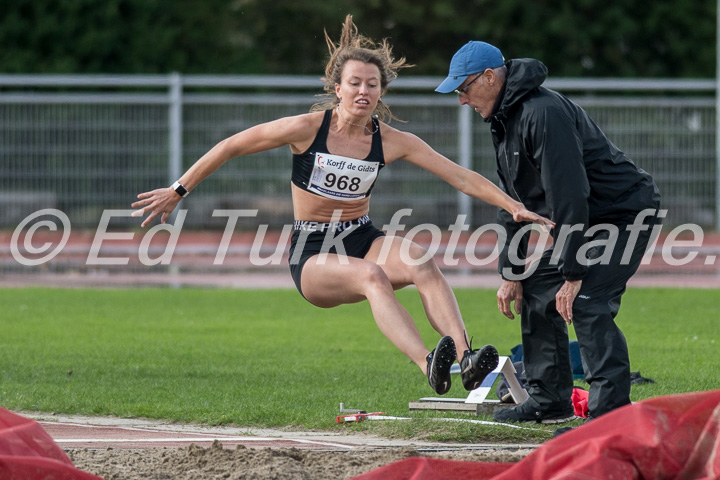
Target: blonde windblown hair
x,y
354,46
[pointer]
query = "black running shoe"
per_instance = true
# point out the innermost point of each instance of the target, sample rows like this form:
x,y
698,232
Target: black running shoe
x,y
439,362
476,364
529,411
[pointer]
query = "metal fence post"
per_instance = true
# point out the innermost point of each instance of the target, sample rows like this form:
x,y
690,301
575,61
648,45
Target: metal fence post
x,y
465,144
174,129
175,141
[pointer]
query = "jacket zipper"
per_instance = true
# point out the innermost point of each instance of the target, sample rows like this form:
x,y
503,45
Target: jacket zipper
x,y
507,163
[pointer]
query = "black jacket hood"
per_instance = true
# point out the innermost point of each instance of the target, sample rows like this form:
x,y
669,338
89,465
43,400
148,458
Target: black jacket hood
x,y
524,76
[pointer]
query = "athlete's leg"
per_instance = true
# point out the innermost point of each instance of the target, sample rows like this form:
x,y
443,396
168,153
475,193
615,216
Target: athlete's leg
x,y
329,281
407,263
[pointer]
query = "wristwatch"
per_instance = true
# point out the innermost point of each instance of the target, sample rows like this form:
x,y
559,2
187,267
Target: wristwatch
x,y
180,189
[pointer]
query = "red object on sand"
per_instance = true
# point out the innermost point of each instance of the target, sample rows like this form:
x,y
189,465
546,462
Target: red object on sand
x,y
27,452
671,437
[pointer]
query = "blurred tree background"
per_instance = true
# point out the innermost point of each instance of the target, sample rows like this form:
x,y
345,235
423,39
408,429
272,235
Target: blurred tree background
x,y
582,38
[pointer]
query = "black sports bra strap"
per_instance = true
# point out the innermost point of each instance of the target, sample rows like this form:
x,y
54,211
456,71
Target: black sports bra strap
x,y
320,142
326,120
377,141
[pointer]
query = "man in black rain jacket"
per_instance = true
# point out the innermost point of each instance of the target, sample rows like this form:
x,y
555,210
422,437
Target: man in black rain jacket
x,y
554,159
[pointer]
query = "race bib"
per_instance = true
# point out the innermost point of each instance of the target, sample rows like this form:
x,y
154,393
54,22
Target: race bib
x,y
342,178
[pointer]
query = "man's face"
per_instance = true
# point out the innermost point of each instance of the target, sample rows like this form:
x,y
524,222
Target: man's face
x,y
479,91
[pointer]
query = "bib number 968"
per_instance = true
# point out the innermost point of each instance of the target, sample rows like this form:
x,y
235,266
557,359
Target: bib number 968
x,y
343,182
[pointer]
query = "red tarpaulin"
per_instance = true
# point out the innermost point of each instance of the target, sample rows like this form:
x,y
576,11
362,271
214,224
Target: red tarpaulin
x,y
27,452
673,437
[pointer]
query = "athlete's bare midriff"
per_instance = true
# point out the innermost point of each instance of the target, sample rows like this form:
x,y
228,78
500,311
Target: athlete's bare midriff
x,y
311,207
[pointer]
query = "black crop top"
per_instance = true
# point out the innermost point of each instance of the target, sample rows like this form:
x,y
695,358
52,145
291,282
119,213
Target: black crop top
x,y
335,176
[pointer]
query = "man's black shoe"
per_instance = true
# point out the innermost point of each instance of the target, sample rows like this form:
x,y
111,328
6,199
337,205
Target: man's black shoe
x,y
439,362
476,364
529,411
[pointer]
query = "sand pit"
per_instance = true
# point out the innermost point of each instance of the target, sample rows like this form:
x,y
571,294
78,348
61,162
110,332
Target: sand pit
x,y
217,462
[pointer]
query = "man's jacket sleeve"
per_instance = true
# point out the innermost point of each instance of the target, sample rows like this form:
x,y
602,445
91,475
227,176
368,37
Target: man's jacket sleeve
x,y
555,143
511,261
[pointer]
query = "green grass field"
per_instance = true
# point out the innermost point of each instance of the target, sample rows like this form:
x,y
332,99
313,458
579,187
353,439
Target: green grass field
x,y
268,358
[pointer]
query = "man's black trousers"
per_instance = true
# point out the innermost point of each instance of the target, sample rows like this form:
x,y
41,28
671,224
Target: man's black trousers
x,y
602,345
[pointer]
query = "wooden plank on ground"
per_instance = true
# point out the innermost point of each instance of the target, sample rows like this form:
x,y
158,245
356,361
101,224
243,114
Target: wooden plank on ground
x,y
458,405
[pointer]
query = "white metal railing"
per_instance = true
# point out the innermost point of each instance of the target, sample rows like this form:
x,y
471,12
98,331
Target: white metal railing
x,y
621,106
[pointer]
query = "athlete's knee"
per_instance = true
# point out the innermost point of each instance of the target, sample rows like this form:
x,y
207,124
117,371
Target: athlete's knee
x,y
420,261
373,276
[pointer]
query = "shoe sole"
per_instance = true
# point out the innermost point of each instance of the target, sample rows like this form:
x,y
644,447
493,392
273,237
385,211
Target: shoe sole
x,y
553,421
488,361
443,359
546,421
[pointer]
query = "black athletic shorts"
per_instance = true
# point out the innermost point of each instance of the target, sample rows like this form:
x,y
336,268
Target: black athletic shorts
x,y
356,243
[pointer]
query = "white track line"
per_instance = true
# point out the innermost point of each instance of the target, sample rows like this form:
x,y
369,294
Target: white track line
x,y
329,444
198,439
208,438
131,429
155,440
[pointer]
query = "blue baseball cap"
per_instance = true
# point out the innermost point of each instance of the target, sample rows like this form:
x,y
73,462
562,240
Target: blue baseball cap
x,y
473,57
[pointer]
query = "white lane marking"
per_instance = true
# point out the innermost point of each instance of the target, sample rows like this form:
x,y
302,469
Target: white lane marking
x,y
197,439
208,438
